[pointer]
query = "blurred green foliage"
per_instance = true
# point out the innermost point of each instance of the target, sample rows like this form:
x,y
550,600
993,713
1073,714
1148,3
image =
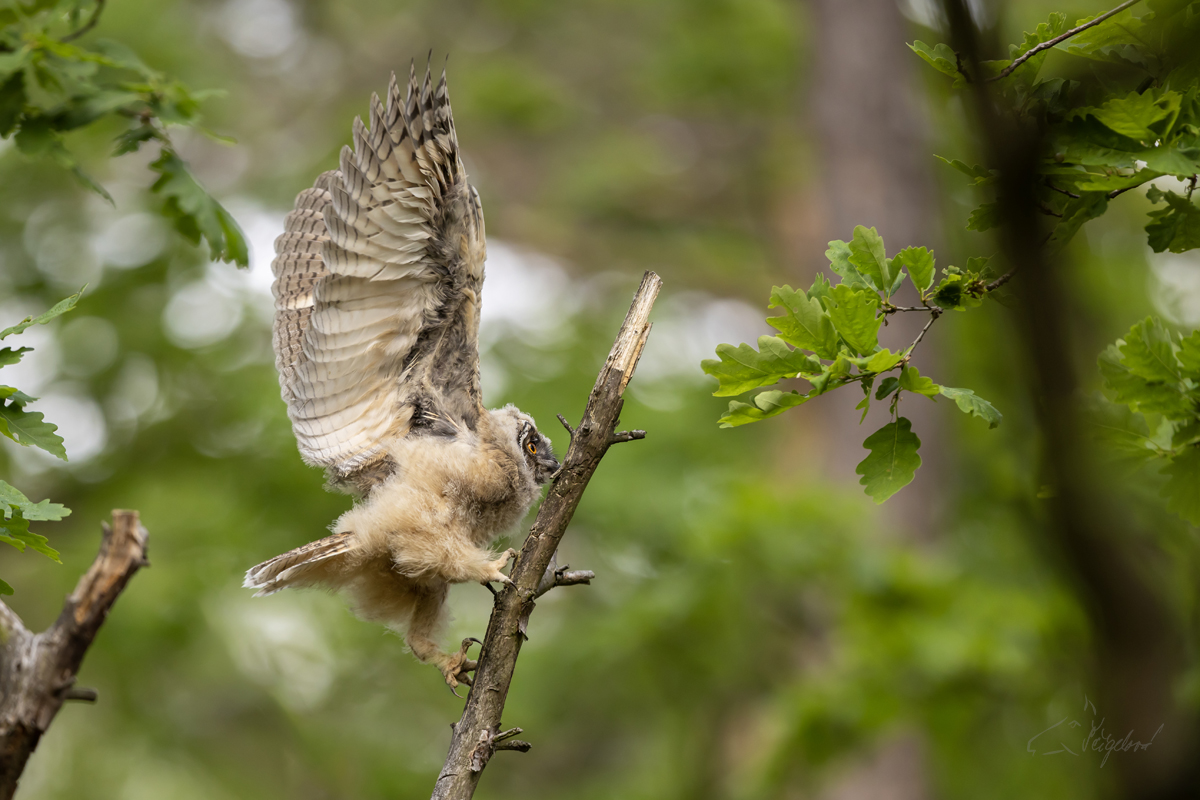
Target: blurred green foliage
x,y
757,627
1100,143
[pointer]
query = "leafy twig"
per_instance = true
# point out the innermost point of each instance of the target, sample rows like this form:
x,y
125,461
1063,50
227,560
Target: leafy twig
x,y
91,23
1031,52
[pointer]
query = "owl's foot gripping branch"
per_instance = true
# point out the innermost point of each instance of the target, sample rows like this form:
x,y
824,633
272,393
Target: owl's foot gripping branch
x,y
477,735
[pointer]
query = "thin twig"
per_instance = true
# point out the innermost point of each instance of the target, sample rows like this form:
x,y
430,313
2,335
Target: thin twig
x,y
555,576
1052,187
1116,192
91,23
1003,279
1031,52
937,312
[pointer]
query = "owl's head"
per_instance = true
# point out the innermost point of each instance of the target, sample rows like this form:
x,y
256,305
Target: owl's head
x,y
534,446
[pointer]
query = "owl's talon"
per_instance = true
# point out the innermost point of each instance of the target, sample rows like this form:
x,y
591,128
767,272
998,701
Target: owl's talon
x,y
458,665
494,567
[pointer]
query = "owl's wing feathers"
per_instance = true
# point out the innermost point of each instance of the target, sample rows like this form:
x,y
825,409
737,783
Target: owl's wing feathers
x,y
378,281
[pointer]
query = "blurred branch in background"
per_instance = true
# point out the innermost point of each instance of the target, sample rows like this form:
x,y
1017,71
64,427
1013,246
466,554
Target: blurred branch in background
x,y
1138,644
37,671
477,735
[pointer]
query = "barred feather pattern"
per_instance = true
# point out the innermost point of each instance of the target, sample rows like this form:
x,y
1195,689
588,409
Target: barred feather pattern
x,y
378,278
290,568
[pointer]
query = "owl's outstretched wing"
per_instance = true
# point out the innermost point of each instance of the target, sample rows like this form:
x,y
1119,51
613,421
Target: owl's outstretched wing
x,y
377,288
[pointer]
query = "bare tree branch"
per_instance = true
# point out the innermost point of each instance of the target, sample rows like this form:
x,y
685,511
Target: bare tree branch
x,y
477,734
37,672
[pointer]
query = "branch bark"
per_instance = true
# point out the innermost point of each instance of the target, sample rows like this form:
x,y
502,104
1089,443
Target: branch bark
x,y
477,734
37,671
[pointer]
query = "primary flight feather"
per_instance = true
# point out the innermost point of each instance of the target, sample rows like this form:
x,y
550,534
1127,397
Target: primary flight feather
x,y
378,281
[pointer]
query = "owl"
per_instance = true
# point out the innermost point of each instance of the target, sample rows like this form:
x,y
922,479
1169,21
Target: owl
x,y
378,280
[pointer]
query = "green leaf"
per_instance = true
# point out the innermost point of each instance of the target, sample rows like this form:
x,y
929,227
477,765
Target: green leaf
x,y
970,403
1111,40
883,361
30,428
766,404
743,368
1149,352
868,256
1136,392
1183,478
776,402
941,57
805,324
16,533
886,387
919,262
1176,227
981,175
1135,114
14,501
1076,212
5,588
912,381
15,396
986,217
132,139
854,317
893,461
9,356
61,307
820,288
956,292
839,261
1123,430
1105,182
195,213
12,103
1189,354
864,404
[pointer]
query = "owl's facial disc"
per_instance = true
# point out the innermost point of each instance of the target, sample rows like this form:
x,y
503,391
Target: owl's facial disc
x,y
538,454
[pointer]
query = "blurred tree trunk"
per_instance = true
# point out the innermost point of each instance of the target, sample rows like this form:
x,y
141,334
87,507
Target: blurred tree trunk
x,y
874,171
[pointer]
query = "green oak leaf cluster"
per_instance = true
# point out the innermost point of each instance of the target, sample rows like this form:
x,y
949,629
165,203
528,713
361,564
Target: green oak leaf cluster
x,y
51,86
829,337
30,429
1152,384
1140,124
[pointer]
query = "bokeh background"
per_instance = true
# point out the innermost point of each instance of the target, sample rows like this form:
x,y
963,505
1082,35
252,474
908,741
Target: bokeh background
x,y
757,628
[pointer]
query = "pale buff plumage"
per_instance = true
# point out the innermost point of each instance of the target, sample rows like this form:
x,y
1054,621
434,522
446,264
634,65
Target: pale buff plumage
x,y
379,277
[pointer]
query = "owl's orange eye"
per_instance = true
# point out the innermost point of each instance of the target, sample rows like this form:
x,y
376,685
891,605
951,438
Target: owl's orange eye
x,y
532,448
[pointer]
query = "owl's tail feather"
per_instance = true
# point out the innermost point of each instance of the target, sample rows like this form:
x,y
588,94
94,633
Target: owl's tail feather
x,y
296,567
